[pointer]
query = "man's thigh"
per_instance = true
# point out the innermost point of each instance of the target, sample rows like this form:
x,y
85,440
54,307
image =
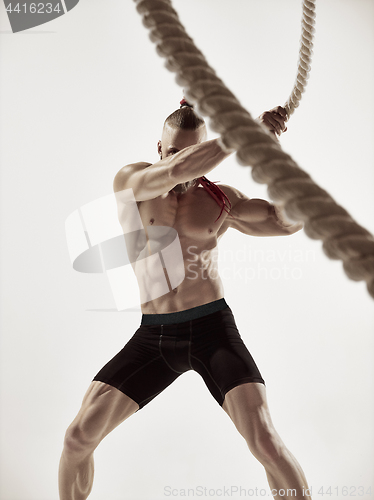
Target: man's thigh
x,y
139,370
219,354
246,405
103,408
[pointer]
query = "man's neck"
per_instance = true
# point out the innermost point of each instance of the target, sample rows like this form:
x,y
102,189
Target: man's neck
x,y
182,188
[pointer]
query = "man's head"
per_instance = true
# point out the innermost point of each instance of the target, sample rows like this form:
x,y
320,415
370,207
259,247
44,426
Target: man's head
x,y
182,128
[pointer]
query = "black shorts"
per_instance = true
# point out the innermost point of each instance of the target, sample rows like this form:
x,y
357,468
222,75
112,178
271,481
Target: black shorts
x,y
204,338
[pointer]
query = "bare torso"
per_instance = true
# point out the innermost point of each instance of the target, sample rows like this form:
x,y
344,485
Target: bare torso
x,y
192,215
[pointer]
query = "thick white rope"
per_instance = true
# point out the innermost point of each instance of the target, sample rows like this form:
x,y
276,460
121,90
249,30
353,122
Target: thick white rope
x,y
305,55
288,184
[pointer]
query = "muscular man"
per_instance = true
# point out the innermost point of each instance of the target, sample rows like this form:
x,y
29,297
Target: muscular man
x,y
191,327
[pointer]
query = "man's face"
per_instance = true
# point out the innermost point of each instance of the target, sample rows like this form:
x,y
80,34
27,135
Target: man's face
x,y
175,139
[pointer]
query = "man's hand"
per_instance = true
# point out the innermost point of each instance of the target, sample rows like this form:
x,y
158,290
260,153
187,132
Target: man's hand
x,y
274,120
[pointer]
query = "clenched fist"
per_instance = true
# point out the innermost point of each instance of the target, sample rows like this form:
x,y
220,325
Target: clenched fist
x,y
274,120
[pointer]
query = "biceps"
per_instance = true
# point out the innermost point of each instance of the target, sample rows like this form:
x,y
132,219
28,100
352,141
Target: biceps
x,y
147,182
152,182
262,210
253,210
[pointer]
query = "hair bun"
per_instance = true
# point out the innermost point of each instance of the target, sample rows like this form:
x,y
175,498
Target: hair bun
x,y
183,103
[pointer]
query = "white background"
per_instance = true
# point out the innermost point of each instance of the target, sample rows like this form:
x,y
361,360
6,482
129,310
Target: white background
x,y
86,94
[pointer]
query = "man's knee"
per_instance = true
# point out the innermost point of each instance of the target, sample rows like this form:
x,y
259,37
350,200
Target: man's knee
x,y
267,446
79,441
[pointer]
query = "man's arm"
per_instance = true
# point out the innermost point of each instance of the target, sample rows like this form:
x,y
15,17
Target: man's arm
x,y
151,180
257,217
278,217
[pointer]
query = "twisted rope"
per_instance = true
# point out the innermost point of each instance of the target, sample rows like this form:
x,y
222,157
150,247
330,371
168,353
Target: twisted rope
x,y
288,185
305,55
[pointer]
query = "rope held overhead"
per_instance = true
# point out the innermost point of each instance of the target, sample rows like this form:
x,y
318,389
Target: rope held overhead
x,y
305,55
288,185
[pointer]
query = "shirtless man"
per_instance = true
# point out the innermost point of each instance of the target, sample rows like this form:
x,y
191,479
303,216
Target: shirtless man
x,y
191,326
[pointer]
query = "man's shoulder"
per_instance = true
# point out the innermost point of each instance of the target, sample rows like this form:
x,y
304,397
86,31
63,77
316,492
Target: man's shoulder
x,y
129,169
135,166
126,172
142,163
233,193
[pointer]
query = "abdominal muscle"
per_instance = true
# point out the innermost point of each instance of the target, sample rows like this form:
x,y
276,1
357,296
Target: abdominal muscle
x,y
201,284
192,215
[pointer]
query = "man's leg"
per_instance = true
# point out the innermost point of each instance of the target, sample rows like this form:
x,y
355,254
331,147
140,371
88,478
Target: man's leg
x,y
103,408
247,407
128,382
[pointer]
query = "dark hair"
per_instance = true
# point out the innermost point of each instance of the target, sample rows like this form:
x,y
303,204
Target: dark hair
x,y
185,117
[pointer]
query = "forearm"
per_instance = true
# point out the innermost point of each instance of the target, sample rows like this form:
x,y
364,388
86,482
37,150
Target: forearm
x,y
195,161
277,213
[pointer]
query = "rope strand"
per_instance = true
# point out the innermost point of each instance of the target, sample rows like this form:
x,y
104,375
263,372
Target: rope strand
x,y
305,56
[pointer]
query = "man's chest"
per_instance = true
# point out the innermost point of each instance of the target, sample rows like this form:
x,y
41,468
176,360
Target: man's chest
x,y
192,215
